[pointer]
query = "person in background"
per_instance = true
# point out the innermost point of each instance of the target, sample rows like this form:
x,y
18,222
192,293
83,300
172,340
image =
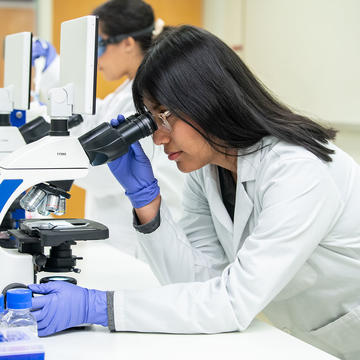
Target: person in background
x,y
270,218
45,75
126,31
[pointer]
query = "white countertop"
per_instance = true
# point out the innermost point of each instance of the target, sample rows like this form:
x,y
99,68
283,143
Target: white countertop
x,y
106,268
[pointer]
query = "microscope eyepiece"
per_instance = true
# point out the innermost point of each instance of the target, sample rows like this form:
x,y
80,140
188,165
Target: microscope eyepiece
x,y
106,143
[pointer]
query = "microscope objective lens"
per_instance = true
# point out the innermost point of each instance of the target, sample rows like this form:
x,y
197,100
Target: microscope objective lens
x,y
42,208
32,199
52,203
62,206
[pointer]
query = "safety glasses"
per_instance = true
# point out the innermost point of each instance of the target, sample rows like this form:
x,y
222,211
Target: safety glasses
x,y
103,43
162,121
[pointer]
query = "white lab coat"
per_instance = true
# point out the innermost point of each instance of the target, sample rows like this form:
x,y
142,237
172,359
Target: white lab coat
x,y
293,252
105,198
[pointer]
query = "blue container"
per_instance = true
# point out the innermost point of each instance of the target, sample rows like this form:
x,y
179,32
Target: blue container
x,y
2,309
18,299
19,303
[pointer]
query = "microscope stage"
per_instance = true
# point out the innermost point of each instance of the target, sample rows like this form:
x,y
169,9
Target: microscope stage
x,y
53,232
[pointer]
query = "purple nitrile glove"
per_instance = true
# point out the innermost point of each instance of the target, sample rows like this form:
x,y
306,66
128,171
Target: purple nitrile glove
x,y
42,48
134,172
64,305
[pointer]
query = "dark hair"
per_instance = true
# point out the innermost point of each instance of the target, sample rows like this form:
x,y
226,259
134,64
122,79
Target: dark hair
x,y
197,76
124,17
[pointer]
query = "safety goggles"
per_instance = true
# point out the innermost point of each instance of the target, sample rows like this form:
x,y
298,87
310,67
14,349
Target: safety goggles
x,y
103,43
162,121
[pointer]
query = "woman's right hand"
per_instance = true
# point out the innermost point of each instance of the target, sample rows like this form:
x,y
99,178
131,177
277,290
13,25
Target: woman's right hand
x,y
134,172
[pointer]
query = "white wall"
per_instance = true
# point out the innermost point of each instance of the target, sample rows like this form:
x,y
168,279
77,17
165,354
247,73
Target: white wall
x,y
44,20
308,53
224,19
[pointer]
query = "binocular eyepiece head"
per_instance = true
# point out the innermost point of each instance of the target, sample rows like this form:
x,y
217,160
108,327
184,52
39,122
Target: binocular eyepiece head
x,y
105,143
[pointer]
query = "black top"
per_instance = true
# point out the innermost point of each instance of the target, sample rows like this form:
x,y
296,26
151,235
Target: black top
x,y
228,190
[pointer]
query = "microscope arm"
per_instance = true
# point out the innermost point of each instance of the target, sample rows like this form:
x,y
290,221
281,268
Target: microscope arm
x,y
52,158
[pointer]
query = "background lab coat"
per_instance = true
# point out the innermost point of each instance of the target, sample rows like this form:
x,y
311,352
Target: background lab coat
x,y
293,250
106,201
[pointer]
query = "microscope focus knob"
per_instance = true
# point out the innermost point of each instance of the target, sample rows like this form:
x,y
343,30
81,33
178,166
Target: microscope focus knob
x,y
40,260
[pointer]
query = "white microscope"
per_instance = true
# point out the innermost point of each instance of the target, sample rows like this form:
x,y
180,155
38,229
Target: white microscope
x,y
49,166
16,95
16,91
51,162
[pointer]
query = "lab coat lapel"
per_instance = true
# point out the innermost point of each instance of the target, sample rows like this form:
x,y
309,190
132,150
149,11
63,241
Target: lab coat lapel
x,y
243,209
216,204
246,171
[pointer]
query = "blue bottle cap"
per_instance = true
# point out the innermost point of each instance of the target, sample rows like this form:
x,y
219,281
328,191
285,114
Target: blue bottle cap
x,y
1,303
18,299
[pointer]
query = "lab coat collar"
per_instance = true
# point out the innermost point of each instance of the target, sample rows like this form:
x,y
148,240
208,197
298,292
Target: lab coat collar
x,y
249,161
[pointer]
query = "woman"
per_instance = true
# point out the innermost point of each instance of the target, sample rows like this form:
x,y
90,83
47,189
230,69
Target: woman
x,y
126,30
269,211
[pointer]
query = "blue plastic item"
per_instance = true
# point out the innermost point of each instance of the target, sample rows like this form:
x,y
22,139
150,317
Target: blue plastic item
x,y
16,215
7,188
19,299
20,344
18,118
19,302
2,309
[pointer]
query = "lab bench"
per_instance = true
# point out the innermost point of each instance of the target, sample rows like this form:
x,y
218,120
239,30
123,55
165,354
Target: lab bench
x,y
106,268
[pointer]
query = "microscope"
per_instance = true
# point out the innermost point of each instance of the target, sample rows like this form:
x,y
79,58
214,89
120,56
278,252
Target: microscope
x,y
48,166
16,91
16,95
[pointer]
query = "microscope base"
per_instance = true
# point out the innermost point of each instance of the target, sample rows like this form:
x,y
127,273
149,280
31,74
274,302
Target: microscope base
x,y
15,268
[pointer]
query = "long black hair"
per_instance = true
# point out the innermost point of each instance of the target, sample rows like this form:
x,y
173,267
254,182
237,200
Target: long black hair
x,y
119,17
197,76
